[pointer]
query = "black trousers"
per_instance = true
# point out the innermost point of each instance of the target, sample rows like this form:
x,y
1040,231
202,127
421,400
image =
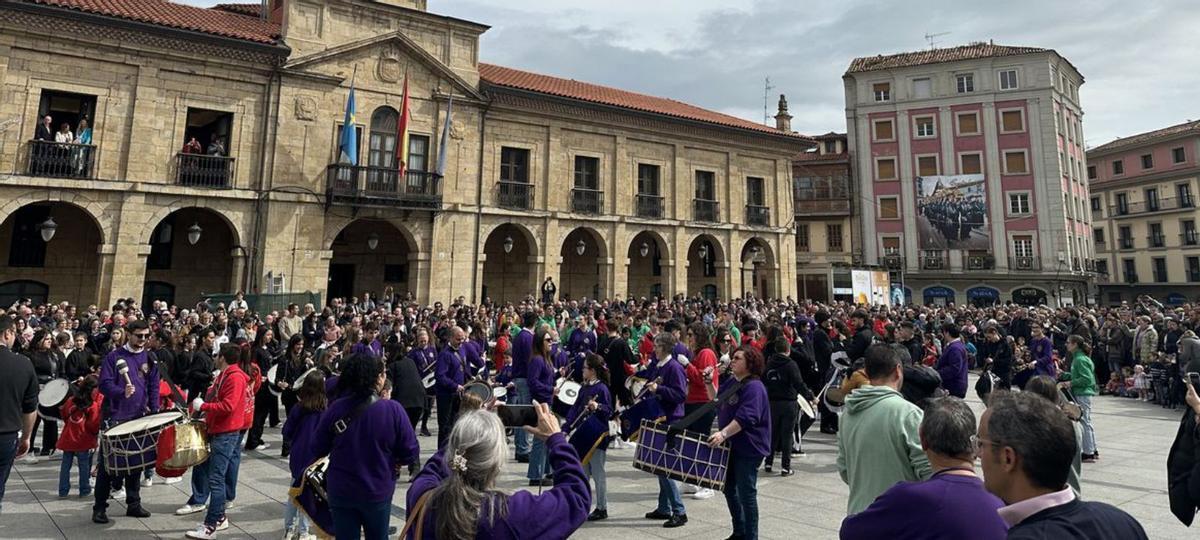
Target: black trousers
x,y
425,414
783,420
263,402
447,411
829,419
414,417
49,434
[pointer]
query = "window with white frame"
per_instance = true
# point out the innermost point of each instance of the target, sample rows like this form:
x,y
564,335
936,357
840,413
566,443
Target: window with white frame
x,y
1008,79
922,88
891,245
1022,246
968,123
1018,203
882,91
925,126
965,82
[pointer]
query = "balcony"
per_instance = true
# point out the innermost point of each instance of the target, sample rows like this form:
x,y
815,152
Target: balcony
x,y
199,170
382,186
893,261
758,215
649,206
934,262
1126,243
1024,263
821,195
705,210
61,160
821,207
1189,238
1157,240
1076,266
1150,206
587,201
1101,245
978,261
1131,278
514,195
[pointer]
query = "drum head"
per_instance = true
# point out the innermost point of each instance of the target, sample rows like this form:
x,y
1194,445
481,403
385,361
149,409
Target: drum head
x,y
54,393
151,422
482,390
499,392
569,392
806,407
271,373
635,385
296,384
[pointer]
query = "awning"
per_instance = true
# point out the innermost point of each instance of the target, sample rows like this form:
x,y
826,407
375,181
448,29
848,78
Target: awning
x,y
938,292
1176,299
983,292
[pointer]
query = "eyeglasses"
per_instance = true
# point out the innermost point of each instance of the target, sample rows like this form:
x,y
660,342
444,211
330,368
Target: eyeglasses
x,y
140,336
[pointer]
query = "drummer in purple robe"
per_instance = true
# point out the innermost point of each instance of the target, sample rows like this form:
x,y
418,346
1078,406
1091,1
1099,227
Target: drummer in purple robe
x,y
745,421
455,495
451,375
668,384
596,401
581,342
423,355
125,399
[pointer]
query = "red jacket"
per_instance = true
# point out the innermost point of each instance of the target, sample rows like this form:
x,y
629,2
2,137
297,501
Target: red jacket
x,y
81,427
696,390
225,402
502,346
252,387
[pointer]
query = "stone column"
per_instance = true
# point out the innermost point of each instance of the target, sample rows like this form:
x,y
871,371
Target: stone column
x,y
237,257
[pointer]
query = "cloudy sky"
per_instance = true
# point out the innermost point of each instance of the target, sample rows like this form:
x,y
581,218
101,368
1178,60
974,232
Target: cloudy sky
x,y
1141,65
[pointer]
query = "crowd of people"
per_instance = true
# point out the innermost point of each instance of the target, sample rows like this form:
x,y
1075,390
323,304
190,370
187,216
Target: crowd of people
x,y
359,380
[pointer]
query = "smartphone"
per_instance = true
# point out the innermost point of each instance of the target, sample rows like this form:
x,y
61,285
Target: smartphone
x,y
517,415
1194,379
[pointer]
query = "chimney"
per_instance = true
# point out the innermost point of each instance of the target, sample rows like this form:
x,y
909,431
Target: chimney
x,y
783,120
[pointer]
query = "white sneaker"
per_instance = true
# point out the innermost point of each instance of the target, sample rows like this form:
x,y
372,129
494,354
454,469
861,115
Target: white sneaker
x,y
190,509
118,495
308,537
31,459
203,532
228,505
262,447
147,482
173,480
690,489
223,524
703,494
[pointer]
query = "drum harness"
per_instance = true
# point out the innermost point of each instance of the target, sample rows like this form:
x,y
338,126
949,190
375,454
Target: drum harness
x,y
317,479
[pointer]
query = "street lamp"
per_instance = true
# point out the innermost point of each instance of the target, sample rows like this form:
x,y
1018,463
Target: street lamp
x,y
704,252
645,249
194,233
508,244
372,241
48,229
580,247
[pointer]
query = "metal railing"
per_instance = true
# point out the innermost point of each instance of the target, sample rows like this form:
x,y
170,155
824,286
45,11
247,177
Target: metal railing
x,y
1131,278
934,262
811,207
758,215
1150,206
1026,263
1126,243
358,185
1157,240
705,210
61,160
978,261
199,170
516,195
649,206
587,201
1189,238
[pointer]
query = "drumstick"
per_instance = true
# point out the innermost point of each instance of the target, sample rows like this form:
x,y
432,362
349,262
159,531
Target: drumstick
x,y
123,369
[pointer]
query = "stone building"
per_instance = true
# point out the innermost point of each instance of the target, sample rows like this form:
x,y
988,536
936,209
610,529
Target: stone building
x,y
826,239
1144,215
213,163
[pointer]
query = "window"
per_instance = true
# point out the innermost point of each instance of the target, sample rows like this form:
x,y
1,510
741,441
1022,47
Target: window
x,y
965,82
891,246
1122,204
514,165
1188,226
1147,161
1130,270
1156,235
802,238
1160,269
1018,203
1012,121
381,148
587,173
1008,79
833,237
1014,162
418,153
27,249
970,164
1184,193
927,166
884,130
922,88
889,208
1022,246
831,147
755,194
885,168
706,185
1118,167
209,127
1152,199
1177,155
1091,170
1095,204
925,126
1193,268
1101,266
882,91
1125,235
968,123
648,179
1098,235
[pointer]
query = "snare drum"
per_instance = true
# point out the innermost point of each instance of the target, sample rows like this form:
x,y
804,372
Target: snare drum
x,y
635,385
133,445
686,457
51,399
296,384
568,392
500,394
270,382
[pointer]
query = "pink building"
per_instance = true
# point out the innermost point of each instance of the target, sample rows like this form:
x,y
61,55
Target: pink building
x,y
970,173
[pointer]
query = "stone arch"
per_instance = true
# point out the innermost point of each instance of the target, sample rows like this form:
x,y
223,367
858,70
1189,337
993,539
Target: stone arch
x,y
69,264
649,274
212,265
509,275
530,235
707,266
163,212
584,274
760,272
374,255
100,215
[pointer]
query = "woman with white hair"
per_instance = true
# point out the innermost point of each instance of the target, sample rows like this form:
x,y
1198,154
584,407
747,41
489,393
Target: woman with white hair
x,y
455,495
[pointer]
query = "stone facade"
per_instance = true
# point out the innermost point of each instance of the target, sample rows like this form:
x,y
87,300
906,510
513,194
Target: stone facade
x,y
123,226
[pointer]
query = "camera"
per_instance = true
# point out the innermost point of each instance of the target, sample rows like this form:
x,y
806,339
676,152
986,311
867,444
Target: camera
x,y
516,416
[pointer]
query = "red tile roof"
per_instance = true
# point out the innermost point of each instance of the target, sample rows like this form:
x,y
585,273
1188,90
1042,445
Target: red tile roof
x,y
253,10
937,56
569,88
1189,127
830,135
163,13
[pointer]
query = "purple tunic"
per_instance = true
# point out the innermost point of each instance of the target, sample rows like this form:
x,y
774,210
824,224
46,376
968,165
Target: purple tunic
x,y
142,375
363,460
1042,351
945,506
672,389
603,398
556,513
451,371
473,352
298,430
522,352
681,350
752,411
952,366
541,381
423,358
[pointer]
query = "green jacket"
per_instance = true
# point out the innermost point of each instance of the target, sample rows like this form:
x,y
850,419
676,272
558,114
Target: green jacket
x,y
1082,375
878,444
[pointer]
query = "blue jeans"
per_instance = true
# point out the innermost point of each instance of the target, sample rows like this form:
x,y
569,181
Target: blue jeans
x,y
8,451
200,486
353,518
669,501
741,495
290,515
221,458
538,456
1089,433
84,460
520,438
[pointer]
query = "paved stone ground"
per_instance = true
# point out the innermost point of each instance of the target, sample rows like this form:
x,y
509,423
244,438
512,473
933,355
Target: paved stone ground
x,y
1134,440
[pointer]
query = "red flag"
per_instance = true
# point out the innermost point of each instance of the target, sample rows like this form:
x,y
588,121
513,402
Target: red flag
x,y
402,132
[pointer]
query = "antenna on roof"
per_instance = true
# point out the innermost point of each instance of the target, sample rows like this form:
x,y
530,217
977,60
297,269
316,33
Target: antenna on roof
x,y
767,101
931,38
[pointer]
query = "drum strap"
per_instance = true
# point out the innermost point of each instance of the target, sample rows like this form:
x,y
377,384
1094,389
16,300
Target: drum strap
x,y
343,424
416,517
679,425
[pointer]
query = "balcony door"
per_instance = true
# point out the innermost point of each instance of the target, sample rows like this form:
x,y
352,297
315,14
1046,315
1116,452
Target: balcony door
x,y
382,145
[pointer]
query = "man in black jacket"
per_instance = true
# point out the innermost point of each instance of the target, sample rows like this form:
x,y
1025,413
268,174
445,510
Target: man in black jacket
x,y
823,352
617,355
784,382
18,401
906,336
863,336
996,352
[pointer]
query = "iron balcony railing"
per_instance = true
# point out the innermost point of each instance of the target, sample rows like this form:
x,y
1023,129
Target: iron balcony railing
x,y
199,170
382,186
587,201
758,215
821,207
978,261
515,195
1026,263
1150,206
934,262
705,210
1190,238
649,206
61,160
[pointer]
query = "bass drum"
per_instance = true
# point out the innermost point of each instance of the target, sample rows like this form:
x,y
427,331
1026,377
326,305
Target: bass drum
x,y
51,399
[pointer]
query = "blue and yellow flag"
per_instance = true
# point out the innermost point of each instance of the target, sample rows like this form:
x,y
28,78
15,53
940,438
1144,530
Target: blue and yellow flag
x,y
348,146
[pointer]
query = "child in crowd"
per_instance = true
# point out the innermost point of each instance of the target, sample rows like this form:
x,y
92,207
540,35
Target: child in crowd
x,y
1173,388
1115,386
1140,383
80,435
297,431
1158,379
